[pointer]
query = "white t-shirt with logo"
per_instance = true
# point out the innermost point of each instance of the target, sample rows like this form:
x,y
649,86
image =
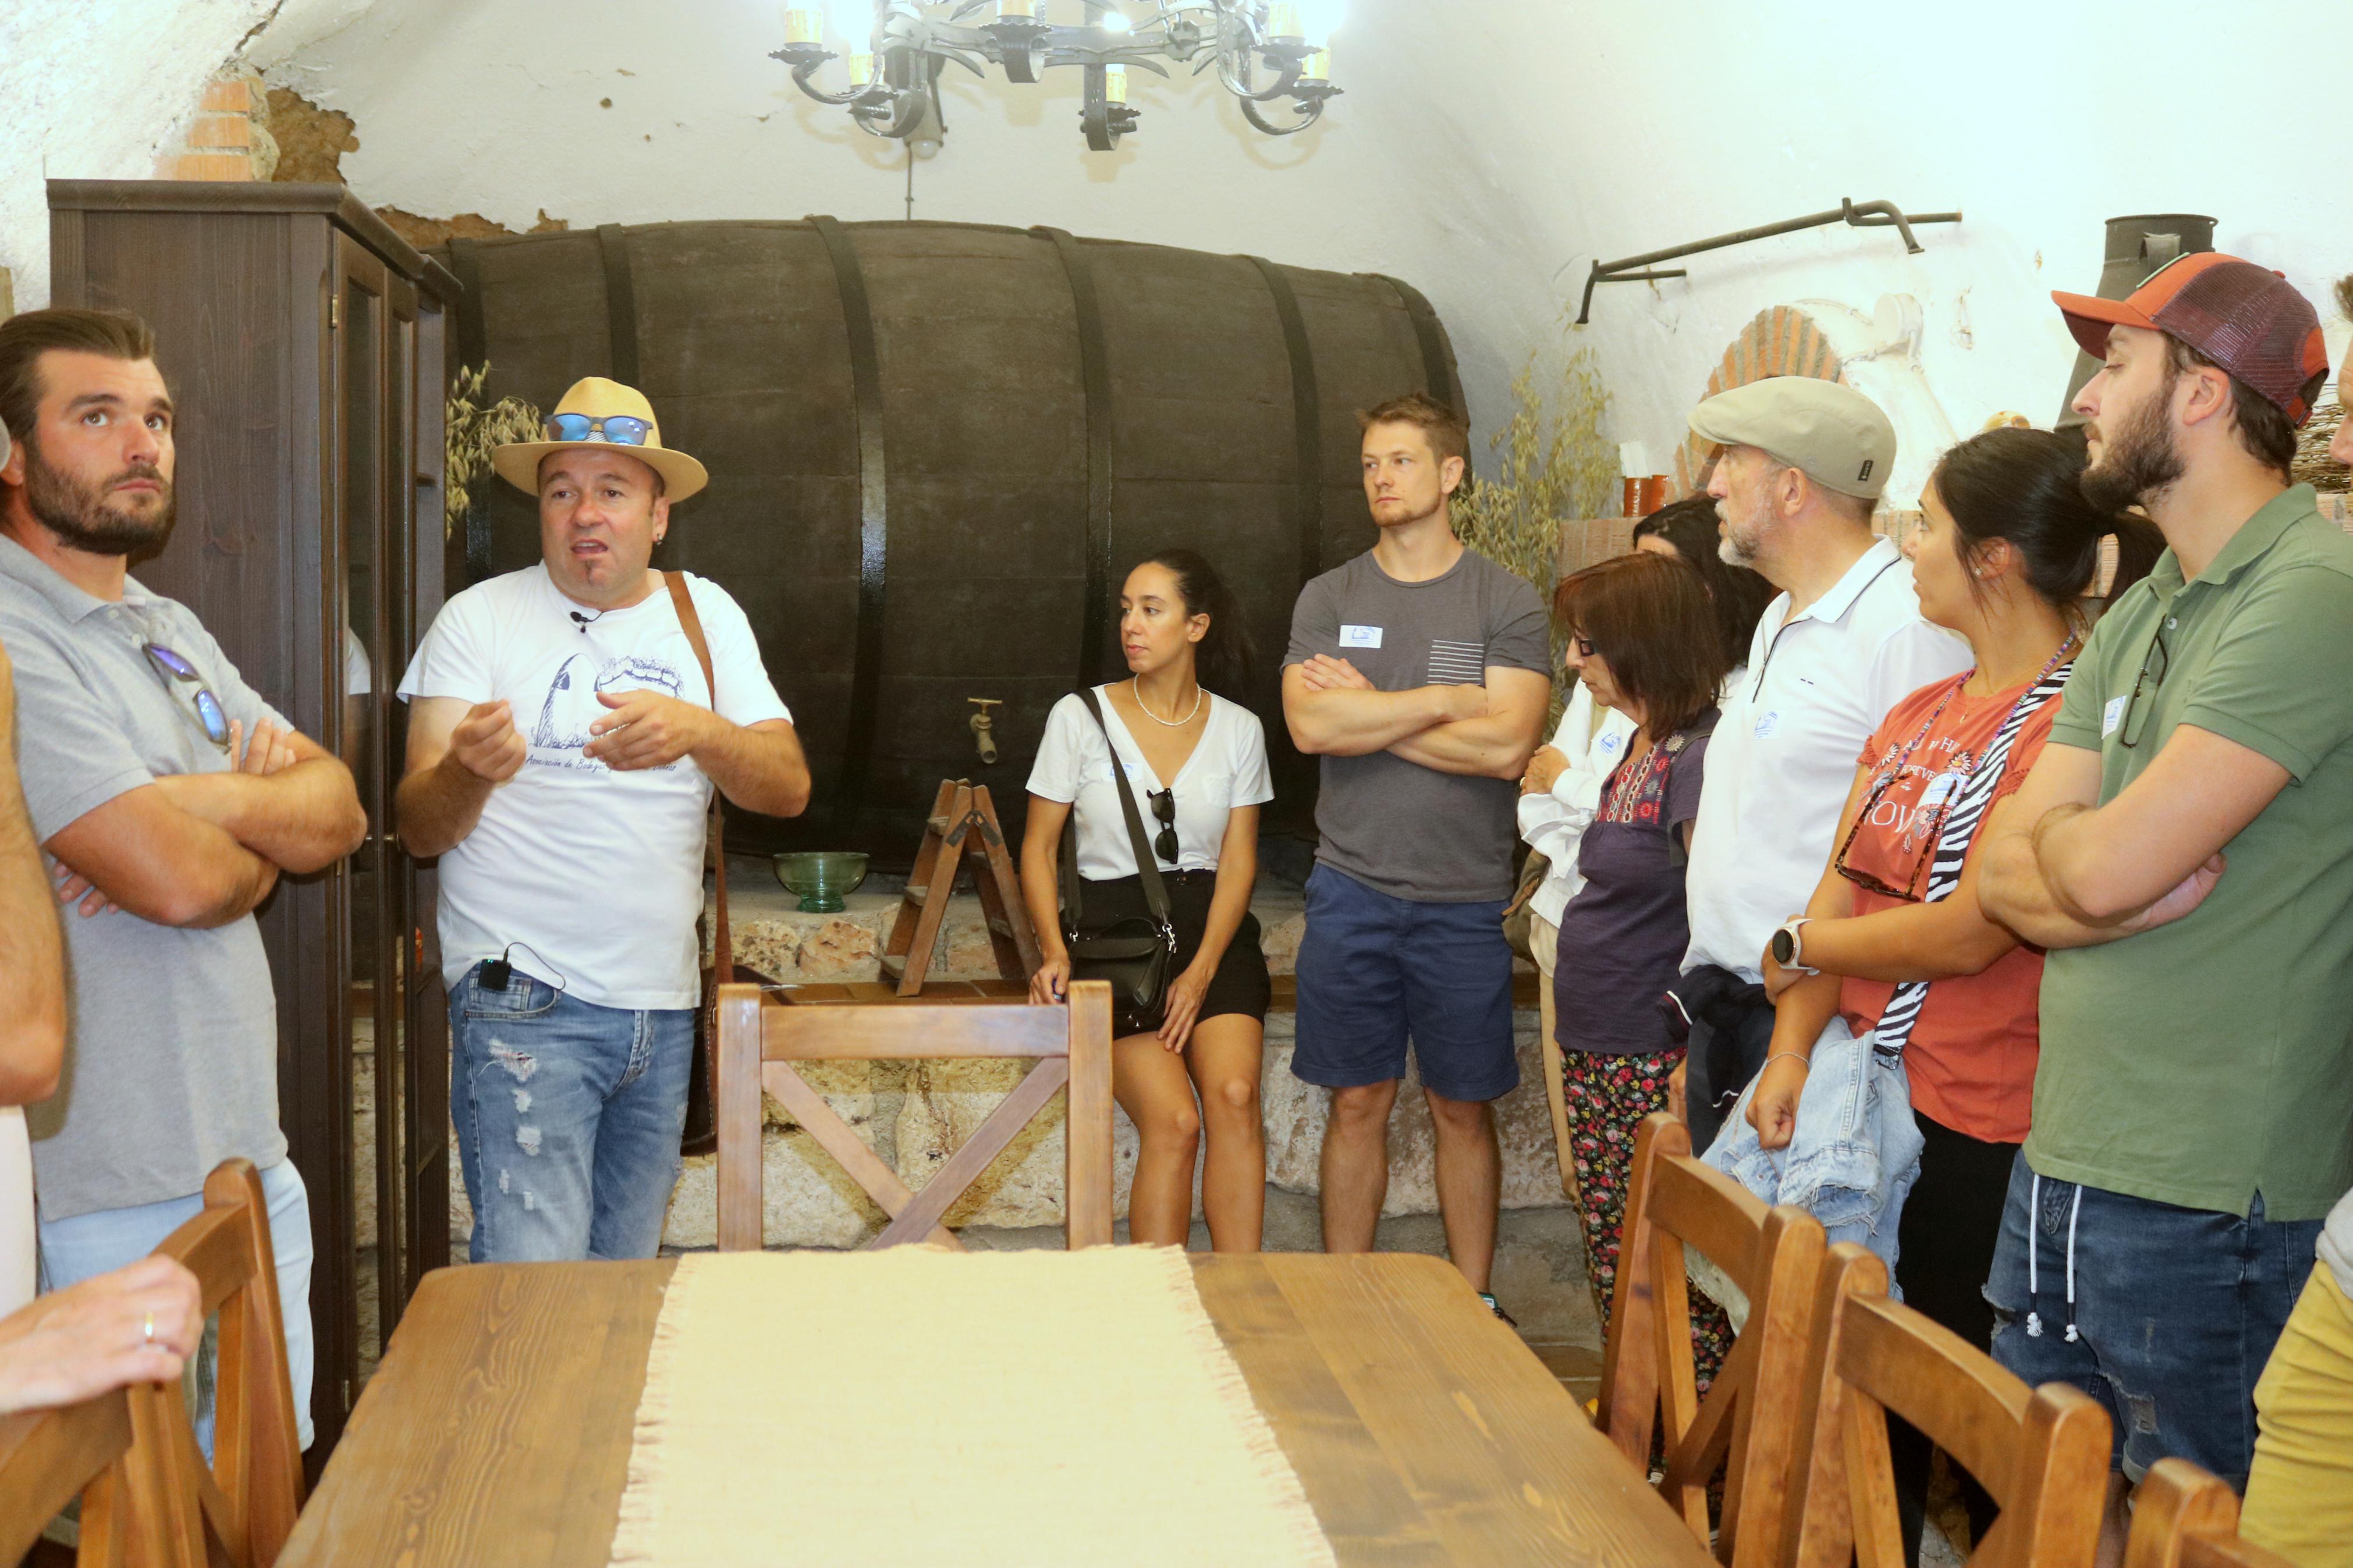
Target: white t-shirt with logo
x,y
586,878
1227,768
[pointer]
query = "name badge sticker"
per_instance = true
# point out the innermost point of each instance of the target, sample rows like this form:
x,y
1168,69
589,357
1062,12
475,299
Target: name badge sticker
x,y
1360,636
1768,724
1944,788
2111,716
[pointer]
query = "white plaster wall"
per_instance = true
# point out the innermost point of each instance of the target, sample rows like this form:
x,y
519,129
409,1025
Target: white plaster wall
x,y
1487,150
1667,122
95,89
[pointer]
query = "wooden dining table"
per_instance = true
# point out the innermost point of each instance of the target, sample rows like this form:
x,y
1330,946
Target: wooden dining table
x,y
497,1429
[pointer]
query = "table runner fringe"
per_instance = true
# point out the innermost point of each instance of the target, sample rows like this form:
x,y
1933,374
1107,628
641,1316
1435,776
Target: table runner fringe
x,y
1232,1389
633,1531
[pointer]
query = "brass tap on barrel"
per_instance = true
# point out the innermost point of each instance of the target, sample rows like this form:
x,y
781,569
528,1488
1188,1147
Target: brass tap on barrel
x,y
983,727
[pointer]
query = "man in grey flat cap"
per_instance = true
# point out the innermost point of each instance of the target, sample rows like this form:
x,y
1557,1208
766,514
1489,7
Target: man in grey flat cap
x,y
1801,466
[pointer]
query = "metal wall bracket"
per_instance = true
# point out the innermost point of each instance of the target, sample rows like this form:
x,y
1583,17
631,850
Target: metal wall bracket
x,y
1854,213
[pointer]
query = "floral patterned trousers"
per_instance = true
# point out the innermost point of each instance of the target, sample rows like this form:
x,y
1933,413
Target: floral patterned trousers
x,y
1606,1099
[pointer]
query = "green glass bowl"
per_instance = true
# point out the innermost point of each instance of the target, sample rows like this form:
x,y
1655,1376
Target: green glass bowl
x,y
822,877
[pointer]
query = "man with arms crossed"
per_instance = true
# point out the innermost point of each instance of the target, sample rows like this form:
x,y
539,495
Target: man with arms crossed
x,y
171,797
2184,846
1802,465
1419,672
562,749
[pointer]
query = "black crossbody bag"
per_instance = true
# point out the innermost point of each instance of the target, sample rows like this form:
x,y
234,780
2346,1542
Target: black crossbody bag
x,y
1137,956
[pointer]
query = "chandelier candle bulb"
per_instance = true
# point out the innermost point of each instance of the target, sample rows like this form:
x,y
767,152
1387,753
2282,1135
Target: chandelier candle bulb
x,y
1316,67
1115,84
803,25
1283,22
1017,9
861,70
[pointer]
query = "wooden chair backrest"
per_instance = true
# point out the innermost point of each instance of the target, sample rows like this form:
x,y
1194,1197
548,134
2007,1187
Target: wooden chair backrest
x,y
2041,1453
2184,1516
242,1506
1746,1425
759,1042
50,1457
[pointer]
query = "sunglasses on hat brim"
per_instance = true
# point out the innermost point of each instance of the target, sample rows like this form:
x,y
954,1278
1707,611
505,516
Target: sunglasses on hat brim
x,y
620,429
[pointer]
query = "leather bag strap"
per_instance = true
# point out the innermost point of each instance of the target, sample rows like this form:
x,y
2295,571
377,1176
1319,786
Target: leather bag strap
x,y
723,948
1147,864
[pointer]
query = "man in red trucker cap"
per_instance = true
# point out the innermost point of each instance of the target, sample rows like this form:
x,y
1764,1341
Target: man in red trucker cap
x,y
2184,847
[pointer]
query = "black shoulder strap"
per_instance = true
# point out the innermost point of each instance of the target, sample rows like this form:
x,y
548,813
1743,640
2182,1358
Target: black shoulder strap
x,y
1147,864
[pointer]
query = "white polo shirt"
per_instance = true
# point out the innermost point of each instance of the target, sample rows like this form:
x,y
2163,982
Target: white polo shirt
x,y
1785,751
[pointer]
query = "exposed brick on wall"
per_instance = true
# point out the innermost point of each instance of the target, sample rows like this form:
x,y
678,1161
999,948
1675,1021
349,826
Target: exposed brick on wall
x,y
225,139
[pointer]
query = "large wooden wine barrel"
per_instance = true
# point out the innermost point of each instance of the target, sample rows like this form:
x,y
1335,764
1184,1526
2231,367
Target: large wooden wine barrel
x,y
937,448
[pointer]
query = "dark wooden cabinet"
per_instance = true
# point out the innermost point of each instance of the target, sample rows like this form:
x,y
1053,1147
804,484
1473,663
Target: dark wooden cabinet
x,y
305,346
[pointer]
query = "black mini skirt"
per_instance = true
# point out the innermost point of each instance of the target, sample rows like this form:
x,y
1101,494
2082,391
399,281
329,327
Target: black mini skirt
x,y
1241,984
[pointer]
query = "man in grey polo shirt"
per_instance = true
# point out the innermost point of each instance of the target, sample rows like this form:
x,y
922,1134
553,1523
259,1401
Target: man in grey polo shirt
x,y
170,797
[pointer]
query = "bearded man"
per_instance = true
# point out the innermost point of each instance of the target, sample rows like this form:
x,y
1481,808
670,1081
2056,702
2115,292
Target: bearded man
x,y
2194,1093
169,796
1801,466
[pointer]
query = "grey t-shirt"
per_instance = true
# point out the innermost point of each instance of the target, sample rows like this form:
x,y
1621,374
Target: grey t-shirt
x,y
1399,827
171,1044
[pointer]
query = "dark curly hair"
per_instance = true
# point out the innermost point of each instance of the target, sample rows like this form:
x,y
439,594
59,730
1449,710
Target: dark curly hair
x,y
1739,594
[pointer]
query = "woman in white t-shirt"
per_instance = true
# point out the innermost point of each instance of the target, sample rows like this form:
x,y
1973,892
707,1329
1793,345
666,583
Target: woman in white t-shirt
x,y
1197,765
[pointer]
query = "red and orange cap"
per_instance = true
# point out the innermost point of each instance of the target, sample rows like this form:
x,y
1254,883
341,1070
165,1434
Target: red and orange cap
x,y
2247,319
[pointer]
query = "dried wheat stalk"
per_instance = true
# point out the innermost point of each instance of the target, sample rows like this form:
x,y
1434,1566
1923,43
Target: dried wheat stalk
x,y
471,433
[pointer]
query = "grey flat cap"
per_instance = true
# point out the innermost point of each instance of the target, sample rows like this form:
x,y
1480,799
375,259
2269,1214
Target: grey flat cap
x,y
1835,434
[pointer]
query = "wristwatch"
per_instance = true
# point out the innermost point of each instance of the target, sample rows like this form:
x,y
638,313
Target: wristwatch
x,y
1789,948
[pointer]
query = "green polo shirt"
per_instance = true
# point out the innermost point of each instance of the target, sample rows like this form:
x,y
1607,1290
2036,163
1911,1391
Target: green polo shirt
x,y
2211,1059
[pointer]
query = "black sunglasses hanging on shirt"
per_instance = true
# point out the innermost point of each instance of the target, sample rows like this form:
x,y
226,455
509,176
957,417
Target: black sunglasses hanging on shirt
x,y
1137,955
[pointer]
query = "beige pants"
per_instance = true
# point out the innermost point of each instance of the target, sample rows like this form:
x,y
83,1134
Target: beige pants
x,y
1544,942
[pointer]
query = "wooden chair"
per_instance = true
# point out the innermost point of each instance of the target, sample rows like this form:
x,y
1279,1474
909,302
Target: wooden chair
x,y
759,1042
2043,1453
239,1509
47,1456
2184,1516
1745,1426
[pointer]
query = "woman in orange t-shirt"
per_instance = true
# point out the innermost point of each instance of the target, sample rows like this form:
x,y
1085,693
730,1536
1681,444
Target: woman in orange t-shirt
x,y
2008,547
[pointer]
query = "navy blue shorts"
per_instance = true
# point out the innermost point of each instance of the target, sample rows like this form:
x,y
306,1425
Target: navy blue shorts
x,y
1374,970
2176,1312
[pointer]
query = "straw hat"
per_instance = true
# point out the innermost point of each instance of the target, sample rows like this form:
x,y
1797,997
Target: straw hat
x,y
517,462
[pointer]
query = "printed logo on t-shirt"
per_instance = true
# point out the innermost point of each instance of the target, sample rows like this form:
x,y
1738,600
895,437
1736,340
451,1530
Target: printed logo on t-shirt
x,y
1360,636
2111,716
1610,745
1457,663
571,705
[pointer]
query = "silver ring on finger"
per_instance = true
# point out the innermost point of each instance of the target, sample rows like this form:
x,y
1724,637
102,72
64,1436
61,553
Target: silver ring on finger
x,y
147,1330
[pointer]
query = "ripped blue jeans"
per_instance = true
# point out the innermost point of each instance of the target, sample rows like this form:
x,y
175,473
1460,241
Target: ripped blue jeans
x,y
568,1116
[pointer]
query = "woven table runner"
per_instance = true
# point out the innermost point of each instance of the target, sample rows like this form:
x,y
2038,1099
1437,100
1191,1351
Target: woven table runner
x,y
913,1405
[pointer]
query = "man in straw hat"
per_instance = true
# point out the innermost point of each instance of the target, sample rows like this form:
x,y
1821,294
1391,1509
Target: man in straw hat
x,y
2184,846
563,744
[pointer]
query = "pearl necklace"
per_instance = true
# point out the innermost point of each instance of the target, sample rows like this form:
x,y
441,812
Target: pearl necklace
x,y
1137,689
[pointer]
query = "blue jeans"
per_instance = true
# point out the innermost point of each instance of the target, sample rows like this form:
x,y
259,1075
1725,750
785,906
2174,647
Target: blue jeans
x,y
2165,1317
89,1244
568,1117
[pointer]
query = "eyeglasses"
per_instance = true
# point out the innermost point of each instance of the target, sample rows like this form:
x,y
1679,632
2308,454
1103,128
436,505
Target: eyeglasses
x,y
175,669
622,429
2162,657
1584,646
1164,806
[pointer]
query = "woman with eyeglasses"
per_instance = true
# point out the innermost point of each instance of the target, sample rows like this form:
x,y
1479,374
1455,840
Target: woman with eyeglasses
x,y
1563,782
1893,939
1196,764
1644,638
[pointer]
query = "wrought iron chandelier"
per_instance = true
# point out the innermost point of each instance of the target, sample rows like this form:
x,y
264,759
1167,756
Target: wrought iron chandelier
x,y
1264,53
